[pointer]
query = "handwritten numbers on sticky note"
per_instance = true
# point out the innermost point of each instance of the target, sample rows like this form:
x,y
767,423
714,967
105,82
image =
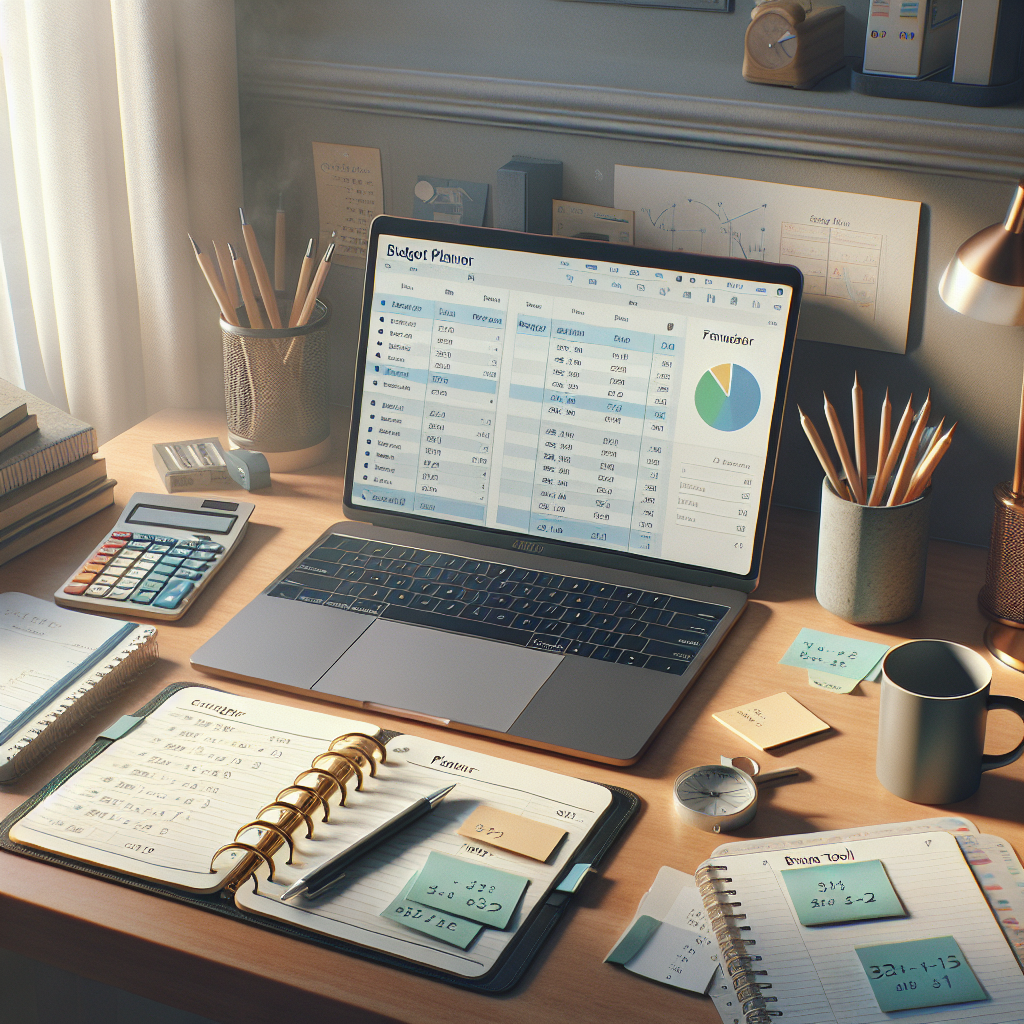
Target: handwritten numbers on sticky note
x,y
835,655
920,973
852,891
512,832
446,927
475,891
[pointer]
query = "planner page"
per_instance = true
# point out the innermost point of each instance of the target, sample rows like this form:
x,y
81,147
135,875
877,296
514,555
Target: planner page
x,y
351,910
161,800
815,972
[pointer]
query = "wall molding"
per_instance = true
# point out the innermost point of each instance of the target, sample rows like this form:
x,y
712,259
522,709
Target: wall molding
x,y
808,133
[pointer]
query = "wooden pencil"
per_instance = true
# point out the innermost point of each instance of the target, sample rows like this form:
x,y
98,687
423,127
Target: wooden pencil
x,y
823,457
860,448
906,470
923,474
252,307
314,288
259,269
884,430
279,245
852,479
210,273
896,447
305,272
227,274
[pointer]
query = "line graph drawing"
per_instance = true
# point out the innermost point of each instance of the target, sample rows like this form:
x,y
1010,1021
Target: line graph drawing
x,y
695,226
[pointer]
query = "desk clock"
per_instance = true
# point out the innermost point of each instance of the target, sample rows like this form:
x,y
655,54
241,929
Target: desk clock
x,y
785,45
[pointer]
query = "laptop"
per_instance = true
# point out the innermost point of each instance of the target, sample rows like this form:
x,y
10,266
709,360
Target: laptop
x,y
559,471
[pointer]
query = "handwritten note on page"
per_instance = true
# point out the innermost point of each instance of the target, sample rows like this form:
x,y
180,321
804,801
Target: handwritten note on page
x,y
349,193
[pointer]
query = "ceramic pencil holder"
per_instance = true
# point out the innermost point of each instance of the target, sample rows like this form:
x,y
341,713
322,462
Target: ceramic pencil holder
x,y
871,559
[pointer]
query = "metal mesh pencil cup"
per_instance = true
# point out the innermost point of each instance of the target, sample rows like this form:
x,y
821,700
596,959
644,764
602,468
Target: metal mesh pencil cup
x,y
275,384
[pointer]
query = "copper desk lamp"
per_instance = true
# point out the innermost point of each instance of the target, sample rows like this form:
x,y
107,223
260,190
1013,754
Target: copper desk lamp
x,y
985,280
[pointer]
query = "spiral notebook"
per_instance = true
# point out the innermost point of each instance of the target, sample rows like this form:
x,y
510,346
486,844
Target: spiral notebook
x,y
938,940
208,793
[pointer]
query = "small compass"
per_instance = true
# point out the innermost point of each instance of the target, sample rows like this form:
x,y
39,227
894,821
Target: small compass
x,y
722,797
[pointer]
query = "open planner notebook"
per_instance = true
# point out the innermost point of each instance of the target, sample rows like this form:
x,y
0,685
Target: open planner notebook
x,y
860,932
200,771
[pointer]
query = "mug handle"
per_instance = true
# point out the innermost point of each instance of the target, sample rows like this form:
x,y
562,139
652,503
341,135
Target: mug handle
x,y
1004,704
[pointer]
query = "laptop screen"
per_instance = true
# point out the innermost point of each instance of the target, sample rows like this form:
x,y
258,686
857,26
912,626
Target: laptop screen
x,y
603,397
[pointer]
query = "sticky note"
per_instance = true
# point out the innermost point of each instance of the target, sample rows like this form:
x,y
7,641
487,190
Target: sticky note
x,y
919,973
467,889
771,722
634,940
679,957
446,927
834,684
512,832
836,655
850,891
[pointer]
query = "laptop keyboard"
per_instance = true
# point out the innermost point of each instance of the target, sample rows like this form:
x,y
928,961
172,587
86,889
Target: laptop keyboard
x,y
544,611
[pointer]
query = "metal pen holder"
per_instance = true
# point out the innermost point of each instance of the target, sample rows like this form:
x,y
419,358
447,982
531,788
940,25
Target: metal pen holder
x,y
276,383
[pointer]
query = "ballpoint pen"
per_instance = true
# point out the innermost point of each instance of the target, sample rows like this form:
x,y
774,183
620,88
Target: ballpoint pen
x,y
332,870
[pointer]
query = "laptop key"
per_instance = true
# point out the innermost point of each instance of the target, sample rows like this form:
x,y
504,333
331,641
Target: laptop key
x,y
631,643
450,607
604,654
284,590
603,637
314,565
525,606
631,626
601,589
499,601
452,576
478,582
604,622
551,628
374,576
474,611
400,582
601,604
502,616
366,607
428,572
577,616
306,579
676,668
402,597
674,636
530,622
449,593
654,600
578,632
424,602
577,600
657,616
632,658
502,586
580,648
376,593
462,624
314,596
450,562
524,575
708,611
573,585
662,650
694,622
423,587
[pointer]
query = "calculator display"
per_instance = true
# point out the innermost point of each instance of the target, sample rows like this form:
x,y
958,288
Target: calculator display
x,y
181,519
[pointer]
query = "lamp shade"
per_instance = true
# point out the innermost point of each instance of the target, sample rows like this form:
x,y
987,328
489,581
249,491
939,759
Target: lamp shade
x,y
985,279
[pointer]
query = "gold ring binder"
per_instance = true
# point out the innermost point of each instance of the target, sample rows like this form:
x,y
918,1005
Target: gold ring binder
x,y
735,957
276,829
345,766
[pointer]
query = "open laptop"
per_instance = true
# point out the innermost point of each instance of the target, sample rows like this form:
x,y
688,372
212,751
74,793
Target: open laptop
x,y
559,471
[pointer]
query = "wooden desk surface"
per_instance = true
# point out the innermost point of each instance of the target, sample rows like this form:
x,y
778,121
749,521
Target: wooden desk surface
x,y
233,972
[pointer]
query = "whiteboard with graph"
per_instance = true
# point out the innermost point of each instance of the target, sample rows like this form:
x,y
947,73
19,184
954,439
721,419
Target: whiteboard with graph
x,y
856,252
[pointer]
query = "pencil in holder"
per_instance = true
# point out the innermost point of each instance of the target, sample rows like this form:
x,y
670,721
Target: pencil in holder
x,y
276,388
295,804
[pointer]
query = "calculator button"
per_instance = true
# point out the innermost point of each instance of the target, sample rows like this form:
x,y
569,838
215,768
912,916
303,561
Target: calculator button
x,y
137,545
171,561
84,577
187,574
121,535
148,558
173,594
189,543
100,557
120,593
113,570
111,547
76,588
107,580
135,574
97,590
195,564
209,545
204,556
160,548
153,585
159,577
144,597
182,552
92,566
123,563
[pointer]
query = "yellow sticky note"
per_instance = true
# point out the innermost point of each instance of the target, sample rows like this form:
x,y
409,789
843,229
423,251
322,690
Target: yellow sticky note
x,y
512,832
349,193
771,722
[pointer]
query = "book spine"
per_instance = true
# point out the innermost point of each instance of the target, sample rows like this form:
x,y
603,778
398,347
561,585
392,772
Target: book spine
x,y
328,774
738,962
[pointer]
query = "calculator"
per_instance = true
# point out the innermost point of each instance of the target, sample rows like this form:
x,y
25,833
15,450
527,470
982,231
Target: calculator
x,y
160,554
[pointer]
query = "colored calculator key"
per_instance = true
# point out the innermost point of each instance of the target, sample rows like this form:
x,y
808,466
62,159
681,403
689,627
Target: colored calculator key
x,y
163,550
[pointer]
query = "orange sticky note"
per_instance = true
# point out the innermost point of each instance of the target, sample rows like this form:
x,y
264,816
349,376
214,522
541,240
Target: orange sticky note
x,y
772,721
511,832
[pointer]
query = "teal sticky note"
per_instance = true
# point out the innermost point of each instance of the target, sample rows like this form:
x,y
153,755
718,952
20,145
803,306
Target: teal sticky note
x,y
919,973
846,891
836,655
468,889
446,927
634,940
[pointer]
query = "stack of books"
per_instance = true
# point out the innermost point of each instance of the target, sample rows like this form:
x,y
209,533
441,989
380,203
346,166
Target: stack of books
x,y
49,479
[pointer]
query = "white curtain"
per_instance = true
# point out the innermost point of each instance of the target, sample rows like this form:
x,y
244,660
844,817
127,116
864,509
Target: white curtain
x,y
119,134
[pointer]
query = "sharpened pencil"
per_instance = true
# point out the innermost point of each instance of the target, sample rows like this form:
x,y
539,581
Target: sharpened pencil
x,y
252,307
819,449
860,446
852,479
314,288
227,274
259,269
923,474
896,447
279,244
210,273
906,470
884,430
305,272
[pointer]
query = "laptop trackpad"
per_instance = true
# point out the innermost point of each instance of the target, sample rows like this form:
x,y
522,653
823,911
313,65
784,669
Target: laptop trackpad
x,y
460,678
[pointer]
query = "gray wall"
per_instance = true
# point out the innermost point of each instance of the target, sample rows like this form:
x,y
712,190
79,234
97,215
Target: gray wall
x,y
457,87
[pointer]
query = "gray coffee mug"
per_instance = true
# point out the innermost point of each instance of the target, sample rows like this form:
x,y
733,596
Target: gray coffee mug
x,y
931,725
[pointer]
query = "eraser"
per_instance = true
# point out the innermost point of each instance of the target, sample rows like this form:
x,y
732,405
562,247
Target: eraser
x,y
248,469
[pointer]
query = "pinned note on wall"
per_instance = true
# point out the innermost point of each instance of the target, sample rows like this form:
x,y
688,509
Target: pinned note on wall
x,y
922,972
834,663
843,891
469,890
513,832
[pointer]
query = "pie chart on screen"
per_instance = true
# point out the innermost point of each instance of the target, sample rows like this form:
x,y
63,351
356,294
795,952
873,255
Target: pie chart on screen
x,y
727,397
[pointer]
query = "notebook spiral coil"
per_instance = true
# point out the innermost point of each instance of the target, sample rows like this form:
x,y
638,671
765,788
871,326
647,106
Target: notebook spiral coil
x,y
737,961
347,758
